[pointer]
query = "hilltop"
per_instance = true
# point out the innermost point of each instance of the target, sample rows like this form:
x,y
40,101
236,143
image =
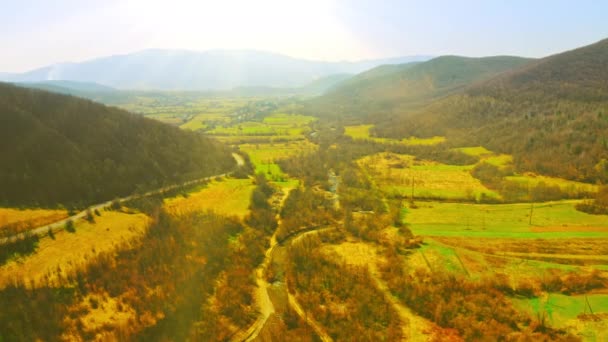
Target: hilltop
x,y
396,88
551,114
59,149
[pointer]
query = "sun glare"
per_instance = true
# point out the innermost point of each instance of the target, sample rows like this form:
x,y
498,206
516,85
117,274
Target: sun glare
x,y
303,28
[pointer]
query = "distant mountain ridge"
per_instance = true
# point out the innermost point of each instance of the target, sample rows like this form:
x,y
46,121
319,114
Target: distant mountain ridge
x,y
157,69
396,88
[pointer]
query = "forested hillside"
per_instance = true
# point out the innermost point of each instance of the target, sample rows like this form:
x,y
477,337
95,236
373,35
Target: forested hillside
x,y
551,115
391,89
59,149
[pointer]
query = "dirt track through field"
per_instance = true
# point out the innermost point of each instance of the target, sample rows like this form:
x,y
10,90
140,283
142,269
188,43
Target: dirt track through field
x,y
414,327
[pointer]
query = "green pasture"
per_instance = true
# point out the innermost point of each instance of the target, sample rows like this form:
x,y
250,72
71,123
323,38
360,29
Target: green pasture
x,y
549,220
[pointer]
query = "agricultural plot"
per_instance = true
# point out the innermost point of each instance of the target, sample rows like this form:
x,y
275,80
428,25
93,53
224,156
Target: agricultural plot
x,y
453,255
276,124
404,175
264,157
69,251
251,139
227,196
189,110
558,219
206,120
289,120
247,128
362,132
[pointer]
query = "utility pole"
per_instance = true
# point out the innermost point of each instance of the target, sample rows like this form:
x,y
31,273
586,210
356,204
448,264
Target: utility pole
x,y
531,212
412,196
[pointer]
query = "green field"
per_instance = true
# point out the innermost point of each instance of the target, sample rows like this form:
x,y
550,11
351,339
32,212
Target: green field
x,y
273,125
183,108
264,157
549,220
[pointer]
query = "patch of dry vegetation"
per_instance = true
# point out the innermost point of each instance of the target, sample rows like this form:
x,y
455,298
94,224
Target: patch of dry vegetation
x,y
55,258
14,220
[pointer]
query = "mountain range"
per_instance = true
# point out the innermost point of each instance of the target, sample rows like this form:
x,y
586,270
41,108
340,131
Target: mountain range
x,y
390,89
551,114
190,70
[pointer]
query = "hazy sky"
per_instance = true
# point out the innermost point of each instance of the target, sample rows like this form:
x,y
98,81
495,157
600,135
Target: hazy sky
x,y
36,33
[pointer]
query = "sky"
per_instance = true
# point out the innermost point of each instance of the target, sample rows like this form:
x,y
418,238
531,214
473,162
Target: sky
x,y
35,33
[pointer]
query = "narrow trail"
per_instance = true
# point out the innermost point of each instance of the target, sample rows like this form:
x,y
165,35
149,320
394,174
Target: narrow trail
x,y
260,295
55,226
414,327
293,302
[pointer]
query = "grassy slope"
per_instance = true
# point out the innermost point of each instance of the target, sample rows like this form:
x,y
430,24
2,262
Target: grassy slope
x,y
388,88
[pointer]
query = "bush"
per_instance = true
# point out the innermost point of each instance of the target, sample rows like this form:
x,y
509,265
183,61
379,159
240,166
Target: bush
x,y
70,227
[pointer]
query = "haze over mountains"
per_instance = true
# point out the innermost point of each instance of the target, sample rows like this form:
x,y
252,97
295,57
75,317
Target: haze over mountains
x,y
189,70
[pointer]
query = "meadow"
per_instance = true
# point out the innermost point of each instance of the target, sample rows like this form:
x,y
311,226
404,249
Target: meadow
x,y
549,220
264,157
403,175
226,196
187,110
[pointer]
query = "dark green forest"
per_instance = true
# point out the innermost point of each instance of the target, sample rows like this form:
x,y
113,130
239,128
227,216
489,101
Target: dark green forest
x,y
59,149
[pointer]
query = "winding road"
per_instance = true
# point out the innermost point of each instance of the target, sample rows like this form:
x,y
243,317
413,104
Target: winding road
x,y
263,298
55,226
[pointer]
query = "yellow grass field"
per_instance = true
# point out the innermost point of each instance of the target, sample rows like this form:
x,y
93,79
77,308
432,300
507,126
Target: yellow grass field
x,y
362,132
228,196
71,250
17,220
395,173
